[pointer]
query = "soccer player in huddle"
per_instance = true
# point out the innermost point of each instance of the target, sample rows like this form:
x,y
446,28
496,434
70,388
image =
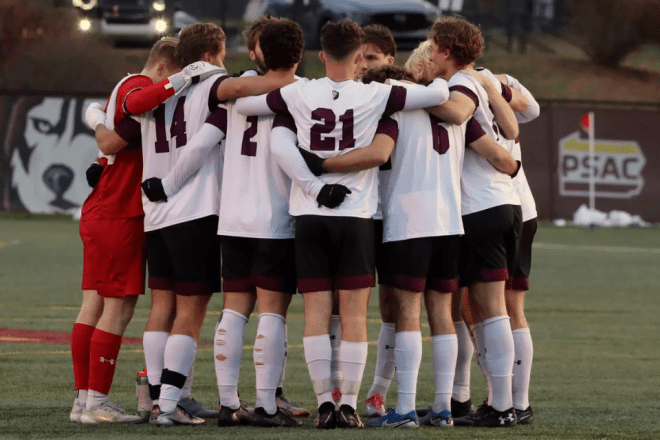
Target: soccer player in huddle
x,y
112,229
334,247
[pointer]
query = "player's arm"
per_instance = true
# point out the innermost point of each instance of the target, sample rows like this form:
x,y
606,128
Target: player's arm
x,y
498,156
233,88
533,110
113,141
459,107
416,97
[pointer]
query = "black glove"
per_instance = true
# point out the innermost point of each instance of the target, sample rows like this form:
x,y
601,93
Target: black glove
x,y
153,189
515,173
314,163
93,174
332,195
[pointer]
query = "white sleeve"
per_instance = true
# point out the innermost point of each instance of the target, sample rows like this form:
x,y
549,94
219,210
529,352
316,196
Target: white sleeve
x,y
286,154
419,97
533,109
192,157
253,106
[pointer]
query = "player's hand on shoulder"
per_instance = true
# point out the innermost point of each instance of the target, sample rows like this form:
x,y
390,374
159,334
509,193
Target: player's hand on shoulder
x,y
94,115
481,78
332,195
314,163
93,174
153,189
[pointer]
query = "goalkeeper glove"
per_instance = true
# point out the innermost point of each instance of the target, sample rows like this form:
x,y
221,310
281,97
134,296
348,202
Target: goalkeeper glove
x,y
332,195
153,189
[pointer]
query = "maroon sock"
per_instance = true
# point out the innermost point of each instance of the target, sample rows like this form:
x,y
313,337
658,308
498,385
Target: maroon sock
x,y
80,340
103,352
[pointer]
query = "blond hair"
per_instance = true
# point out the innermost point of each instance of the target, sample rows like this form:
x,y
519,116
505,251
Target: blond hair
x,y
419,62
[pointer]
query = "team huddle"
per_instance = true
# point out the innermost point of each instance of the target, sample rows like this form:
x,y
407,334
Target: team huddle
x,y
271,185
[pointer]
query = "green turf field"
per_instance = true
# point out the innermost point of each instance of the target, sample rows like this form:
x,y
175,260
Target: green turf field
x,y
593,309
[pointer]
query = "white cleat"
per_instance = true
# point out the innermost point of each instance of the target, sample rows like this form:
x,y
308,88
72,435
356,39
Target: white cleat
x,y
176,417
107,412
76,412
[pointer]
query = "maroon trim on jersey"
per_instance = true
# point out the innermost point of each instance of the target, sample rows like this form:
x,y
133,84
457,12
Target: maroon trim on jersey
x,y
218,118
411,284
519,284
507,94
467,92
276,102
473,131
285,120
490,275
443,285
356,282
194,288
389,127
271,283
129,130
396,102
213,93
161,283
242,285
306,285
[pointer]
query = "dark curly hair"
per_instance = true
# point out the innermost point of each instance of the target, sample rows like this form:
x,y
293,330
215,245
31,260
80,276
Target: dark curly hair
x,y
388,71
340,39
251,34
282,42
198,39
381,37
462,38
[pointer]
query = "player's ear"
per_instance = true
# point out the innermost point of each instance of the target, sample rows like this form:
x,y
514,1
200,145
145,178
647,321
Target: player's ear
x,y
390,59
253,56
358,57
161,69
322,57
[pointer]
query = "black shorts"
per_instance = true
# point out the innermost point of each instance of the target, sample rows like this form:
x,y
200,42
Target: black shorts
x,y
384,276
490,244
185,258
334,252
248,263
519,278
427,263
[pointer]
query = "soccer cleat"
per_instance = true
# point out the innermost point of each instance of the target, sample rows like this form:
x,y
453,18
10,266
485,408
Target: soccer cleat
x,y
423,412
524,416
394,420
153,416
235,417
281,418
443,419
283,402
489,417
195,408
177,417
326,418
76,412
107,412
374,406
348,418
461,409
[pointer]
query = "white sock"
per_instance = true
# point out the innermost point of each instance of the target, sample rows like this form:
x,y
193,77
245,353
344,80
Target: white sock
x,y
179,357
499,353
318,353
280,383
522,367
461,390
187,387
268,357
481,356
445,351
385,362
81,398
353,358
227,349
154,354
408,358
94,398
335,342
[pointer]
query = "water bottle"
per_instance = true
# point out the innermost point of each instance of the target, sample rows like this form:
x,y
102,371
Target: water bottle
x,y
144,402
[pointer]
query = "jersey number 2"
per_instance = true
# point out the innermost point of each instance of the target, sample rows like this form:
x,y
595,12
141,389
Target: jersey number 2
x,y
248,147
177,129
316,142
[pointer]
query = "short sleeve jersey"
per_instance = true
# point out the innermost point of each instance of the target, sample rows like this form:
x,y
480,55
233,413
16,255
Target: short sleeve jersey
x,y
333,118
165,131
483,186
117,193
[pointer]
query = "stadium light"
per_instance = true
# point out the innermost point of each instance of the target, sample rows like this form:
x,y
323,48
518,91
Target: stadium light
x,y
158,6
85,5
85,25
161,26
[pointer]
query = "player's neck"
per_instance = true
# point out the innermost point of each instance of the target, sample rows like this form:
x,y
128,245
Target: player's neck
x,y
282,73
451,70
340,72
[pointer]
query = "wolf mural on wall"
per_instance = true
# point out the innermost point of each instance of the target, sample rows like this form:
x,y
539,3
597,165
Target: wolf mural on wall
x,y
50,148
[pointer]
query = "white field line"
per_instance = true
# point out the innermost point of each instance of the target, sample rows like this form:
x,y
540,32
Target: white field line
x,y
608,249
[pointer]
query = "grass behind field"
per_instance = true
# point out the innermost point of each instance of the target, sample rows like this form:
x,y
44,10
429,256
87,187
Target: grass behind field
x,y
593,316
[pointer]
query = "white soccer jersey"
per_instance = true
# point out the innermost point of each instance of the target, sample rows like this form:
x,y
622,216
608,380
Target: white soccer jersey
x,y
483,186
522,186
165,131
255,191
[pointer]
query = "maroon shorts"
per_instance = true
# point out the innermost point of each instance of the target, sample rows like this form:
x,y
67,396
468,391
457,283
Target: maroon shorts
x,y
426,263
519,279
113,256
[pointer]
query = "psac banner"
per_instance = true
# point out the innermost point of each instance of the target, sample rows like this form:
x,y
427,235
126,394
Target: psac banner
x,y
46,148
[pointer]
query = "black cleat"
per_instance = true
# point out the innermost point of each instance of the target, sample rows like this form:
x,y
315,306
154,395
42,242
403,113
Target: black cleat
x,y
461,409
423,412
326,418
348,418
524,416
281,418
488,417
234,417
